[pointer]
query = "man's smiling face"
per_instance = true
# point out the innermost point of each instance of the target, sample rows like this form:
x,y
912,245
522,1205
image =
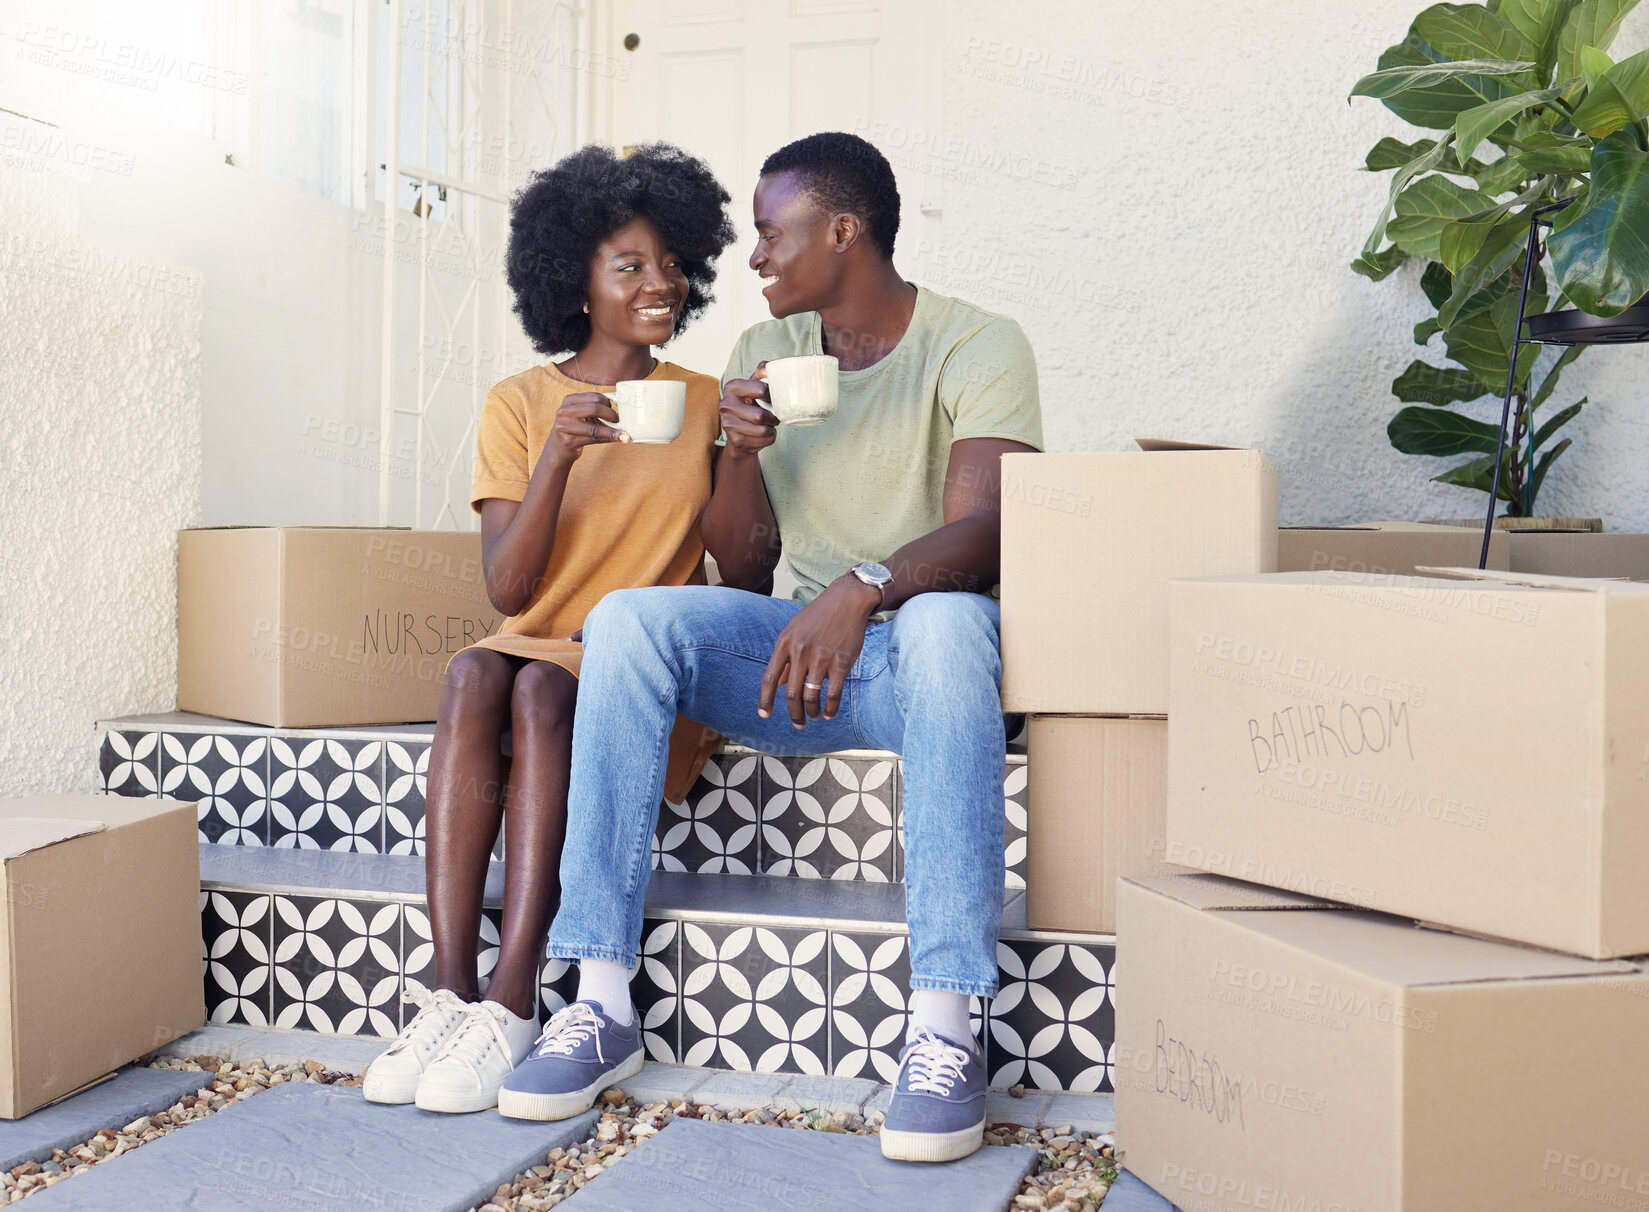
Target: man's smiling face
x,y
795,252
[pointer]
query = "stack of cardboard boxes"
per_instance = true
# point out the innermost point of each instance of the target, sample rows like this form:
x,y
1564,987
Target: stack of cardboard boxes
x,y
1089,545
288,627
1470,758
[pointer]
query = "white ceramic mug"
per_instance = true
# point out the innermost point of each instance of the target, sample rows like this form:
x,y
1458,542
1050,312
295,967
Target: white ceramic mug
x,y
651,411
802,390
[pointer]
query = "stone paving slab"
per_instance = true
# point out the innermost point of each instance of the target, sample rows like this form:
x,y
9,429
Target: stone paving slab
x,y
740,1091
694,1166
656,1082
342,1053
827,1094
305,1147
1093,1112
1003,1108
1130,1194
131,1094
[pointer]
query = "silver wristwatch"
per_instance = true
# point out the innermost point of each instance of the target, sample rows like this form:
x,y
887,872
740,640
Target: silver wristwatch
x,y
877,577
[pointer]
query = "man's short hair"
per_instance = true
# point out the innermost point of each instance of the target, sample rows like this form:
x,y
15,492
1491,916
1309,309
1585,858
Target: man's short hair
x,y
845,173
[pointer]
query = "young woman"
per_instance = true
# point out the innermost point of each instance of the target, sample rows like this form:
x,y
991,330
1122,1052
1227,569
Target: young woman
x,y
608,257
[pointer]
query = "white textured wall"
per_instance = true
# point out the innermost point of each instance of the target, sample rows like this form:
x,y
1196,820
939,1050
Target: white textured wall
x,y
1175,238
100,362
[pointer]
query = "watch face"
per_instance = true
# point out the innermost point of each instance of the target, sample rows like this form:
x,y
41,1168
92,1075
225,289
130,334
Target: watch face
x,y
873,573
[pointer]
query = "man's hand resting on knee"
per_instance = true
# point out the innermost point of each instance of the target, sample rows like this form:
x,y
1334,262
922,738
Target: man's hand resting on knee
x,y
816,651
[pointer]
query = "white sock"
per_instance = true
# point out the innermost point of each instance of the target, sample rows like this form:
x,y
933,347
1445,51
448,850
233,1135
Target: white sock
x,y
943,1014
608,983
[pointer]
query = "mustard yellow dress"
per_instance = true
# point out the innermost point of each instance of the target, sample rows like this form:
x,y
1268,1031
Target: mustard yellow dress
x,y
629,518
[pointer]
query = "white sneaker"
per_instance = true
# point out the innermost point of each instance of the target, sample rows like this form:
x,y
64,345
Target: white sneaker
x,y
476,1059
393,1076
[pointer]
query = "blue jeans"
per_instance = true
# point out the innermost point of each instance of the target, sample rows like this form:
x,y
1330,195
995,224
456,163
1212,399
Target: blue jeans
x,y
927,686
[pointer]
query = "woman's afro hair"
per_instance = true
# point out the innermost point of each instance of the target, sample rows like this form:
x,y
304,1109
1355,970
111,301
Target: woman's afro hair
x,y
564,212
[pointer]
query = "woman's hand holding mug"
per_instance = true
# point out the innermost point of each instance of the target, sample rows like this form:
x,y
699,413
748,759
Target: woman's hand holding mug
x,y
579,423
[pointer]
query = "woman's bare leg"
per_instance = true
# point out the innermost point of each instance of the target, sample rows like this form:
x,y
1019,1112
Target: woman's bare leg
x,y
535,822
465,803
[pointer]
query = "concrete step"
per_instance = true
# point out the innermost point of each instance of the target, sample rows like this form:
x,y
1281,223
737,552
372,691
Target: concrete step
x,y
362,789
133,1092
692,1166
308,1146
752,973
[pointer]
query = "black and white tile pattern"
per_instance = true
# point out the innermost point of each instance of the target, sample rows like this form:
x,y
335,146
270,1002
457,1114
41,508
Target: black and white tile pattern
x,y
325,794
656,990
227,775
1053,1018
753,998
128,763
235,934
337,966
406,787
714,828
829,817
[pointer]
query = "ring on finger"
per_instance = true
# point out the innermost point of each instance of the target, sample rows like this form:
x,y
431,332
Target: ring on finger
x,y
813,685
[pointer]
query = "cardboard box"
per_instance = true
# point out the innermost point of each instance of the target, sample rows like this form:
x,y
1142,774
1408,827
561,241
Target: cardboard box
x,y
1581,554
1089,544
301,627
1386,547
99,939
1097,794
1474,753
1274,1055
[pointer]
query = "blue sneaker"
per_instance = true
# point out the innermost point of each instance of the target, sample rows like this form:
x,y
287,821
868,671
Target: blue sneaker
x,y
580,1053
938,1108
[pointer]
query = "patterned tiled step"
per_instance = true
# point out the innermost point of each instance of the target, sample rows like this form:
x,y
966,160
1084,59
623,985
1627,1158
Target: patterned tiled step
x,y
835,817
310,1146
754,973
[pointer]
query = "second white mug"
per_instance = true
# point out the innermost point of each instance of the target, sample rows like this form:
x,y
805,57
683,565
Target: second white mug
x,y
803,389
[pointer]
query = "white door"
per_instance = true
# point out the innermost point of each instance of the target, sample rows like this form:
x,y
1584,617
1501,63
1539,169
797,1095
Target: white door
x,y
734,80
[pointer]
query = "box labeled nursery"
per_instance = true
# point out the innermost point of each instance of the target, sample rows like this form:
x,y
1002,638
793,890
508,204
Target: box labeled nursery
x,y
1273,1054
99,939
299,627
1386,547
1097,792
1470,752
1089,544
1581,554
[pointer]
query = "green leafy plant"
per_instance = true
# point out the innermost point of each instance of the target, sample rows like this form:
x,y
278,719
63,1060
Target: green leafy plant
x,y
1530,110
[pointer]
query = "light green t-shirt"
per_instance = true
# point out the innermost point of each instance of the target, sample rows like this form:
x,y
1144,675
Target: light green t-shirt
x,y
872,478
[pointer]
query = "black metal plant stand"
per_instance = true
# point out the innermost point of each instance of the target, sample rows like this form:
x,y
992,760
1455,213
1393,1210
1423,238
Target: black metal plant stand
x,y
1552,328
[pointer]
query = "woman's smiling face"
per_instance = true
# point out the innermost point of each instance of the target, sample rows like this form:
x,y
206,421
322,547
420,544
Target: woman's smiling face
x,y
637,286
795,253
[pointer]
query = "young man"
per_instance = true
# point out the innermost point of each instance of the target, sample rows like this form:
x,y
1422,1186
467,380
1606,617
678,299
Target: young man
x,y
891,505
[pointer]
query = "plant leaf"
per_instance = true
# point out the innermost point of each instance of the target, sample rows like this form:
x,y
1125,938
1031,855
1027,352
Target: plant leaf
x,y
1420,164
1425,208
1391,153
1593,63
1474,125
1433,100
1621,95
1549,383
1390,81
1546,152
1592,23
1508,172
1437,431
1482,341
1543,466
1557,422
1541,22
1426,330
1381,265
1423,383
1471,31
1476,474
1601,253
1501,247
1437,283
